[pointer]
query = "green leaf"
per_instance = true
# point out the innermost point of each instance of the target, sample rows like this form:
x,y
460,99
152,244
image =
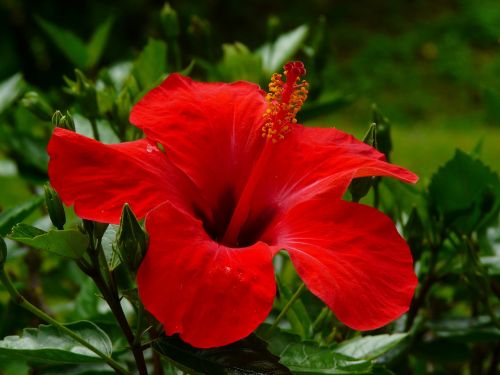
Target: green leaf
x,y
14,215
69,243
47,344
307,357
477,329
10,89
247,356
370,347
151,64
238,62
68,43
98,41
465,193
275,55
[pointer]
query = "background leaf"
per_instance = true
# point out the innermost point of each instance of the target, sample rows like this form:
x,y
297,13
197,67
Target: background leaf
x,y
47,344
151,64
14,215
370,347
10,89
275,55
67,42
247,356
69,243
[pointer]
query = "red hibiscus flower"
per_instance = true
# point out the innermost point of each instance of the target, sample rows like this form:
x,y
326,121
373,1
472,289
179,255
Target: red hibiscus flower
x,y
235,181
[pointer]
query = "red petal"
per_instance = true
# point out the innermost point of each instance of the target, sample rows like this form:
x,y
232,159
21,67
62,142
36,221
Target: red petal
x,y
207,129
350,256
210,294
315,162
99,179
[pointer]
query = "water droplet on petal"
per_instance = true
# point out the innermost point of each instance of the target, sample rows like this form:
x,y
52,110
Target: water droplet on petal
x,y
150,148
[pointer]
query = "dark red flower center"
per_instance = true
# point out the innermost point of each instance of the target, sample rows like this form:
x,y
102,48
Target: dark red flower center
x,y
232,225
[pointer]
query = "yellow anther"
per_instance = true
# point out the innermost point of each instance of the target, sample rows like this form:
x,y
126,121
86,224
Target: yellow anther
x,y
285,98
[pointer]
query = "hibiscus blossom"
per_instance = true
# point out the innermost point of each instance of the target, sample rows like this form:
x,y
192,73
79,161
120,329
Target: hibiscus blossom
x,y
236,180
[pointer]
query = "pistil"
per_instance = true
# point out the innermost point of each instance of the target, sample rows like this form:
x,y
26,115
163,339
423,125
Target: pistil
x,y
285,98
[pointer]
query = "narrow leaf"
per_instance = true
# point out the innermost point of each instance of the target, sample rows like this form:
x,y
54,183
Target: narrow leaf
x,y
67,42
98,41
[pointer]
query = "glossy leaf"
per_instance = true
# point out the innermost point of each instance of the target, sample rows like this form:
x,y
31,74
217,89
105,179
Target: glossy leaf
x,y
69,243
47,344
370,347
14,215
308,357
247,356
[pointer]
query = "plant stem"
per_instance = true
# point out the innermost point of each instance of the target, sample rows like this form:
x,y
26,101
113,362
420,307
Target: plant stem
x,y
285,310
23,302
110,293
95,130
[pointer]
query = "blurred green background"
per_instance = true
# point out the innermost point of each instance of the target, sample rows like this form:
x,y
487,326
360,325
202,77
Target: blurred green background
x,y
432,67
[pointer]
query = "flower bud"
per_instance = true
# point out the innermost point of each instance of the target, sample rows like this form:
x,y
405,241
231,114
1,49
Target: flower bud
x,y
131,240
63,121
170,22
84,89
384,142
55,207
37,105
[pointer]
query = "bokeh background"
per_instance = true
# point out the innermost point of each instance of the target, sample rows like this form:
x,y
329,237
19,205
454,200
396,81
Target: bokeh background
x,y
432,67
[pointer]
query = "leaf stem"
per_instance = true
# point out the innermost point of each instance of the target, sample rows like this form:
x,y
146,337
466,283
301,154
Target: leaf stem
x,y
285,310
23,302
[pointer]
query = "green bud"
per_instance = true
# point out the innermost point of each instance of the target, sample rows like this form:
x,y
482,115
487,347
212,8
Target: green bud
x,y
3,252
63,121
94,228
170,22
55,207
84,89
131,240
273,28
384,142
359,187
37,105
